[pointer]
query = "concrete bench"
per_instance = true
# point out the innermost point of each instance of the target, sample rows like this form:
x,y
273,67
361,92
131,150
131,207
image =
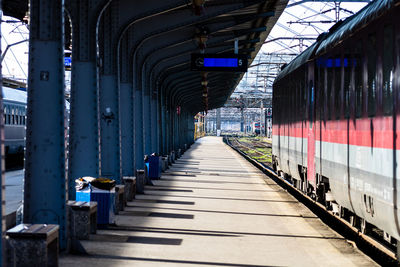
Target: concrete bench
x,y
130,187
83,219
33,245
120,201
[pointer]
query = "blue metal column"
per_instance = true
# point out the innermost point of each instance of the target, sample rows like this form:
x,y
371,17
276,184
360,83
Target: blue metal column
x,y
165,124
83,127
175,130
166,128
45,184
109,99
161,123
139,144
181,130
171,128
185,132
126,108
147,110
154,122
178,132
191,129
146,121
2,167
188,134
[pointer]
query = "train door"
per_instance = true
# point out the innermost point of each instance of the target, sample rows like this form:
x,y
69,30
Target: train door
x,y
311,126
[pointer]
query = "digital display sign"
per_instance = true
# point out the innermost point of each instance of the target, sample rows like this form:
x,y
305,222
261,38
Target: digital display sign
x,y
219,62
67,62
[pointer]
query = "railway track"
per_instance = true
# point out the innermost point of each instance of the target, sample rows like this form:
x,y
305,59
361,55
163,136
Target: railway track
x,y
251,149
379,252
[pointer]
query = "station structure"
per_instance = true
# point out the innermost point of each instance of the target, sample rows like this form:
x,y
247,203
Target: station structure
x,y
133,92
143,76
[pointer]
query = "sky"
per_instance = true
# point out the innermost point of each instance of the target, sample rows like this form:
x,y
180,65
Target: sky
x,y
15,63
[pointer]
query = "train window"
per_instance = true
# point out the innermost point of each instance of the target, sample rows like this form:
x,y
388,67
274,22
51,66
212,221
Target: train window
x,y
23,120
347,66
319,88
371,54
337,87
358,78
329,91
388,68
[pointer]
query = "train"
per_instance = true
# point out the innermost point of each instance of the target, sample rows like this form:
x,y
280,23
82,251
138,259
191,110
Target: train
x,y
255,127
14,104
336,120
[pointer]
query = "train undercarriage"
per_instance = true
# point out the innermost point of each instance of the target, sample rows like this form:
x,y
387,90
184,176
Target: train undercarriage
x,y
322,194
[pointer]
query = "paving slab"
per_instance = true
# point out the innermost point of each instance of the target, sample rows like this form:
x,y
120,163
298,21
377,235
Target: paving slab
x,y
213,208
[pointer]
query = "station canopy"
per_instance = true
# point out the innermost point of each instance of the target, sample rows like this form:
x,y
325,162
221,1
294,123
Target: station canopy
x,y
244,22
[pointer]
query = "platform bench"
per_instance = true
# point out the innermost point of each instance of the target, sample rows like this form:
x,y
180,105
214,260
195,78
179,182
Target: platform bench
x,y
119,198
33,245
130,187
83,219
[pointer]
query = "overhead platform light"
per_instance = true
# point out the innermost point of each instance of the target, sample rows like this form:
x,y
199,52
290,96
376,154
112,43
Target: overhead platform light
x,y
219,62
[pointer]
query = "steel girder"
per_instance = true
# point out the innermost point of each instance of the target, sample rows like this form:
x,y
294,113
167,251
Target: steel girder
x,y
83,126
45,185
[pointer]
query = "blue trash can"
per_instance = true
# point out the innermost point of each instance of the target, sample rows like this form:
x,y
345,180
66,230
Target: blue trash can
x,y
105,202
155,167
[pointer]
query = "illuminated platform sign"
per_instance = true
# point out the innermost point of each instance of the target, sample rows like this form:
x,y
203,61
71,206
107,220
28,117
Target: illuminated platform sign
x,y
219,62
67,62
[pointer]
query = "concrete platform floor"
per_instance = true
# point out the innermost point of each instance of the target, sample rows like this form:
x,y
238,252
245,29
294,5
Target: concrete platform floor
x,y
213,208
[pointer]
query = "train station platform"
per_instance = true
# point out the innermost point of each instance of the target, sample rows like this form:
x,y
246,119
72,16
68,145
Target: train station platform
x,y
213,208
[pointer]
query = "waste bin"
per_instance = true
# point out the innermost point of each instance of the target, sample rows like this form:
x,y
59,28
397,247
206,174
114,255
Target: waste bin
x,y
155,167
105,202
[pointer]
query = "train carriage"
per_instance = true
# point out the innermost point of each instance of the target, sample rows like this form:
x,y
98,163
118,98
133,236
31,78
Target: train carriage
x,y
335,132
14,102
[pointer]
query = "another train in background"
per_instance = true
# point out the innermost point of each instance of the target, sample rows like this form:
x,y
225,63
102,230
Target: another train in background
x,y
14,103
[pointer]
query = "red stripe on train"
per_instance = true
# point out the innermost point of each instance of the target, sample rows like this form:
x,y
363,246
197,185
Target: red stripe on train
x,y
367,132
